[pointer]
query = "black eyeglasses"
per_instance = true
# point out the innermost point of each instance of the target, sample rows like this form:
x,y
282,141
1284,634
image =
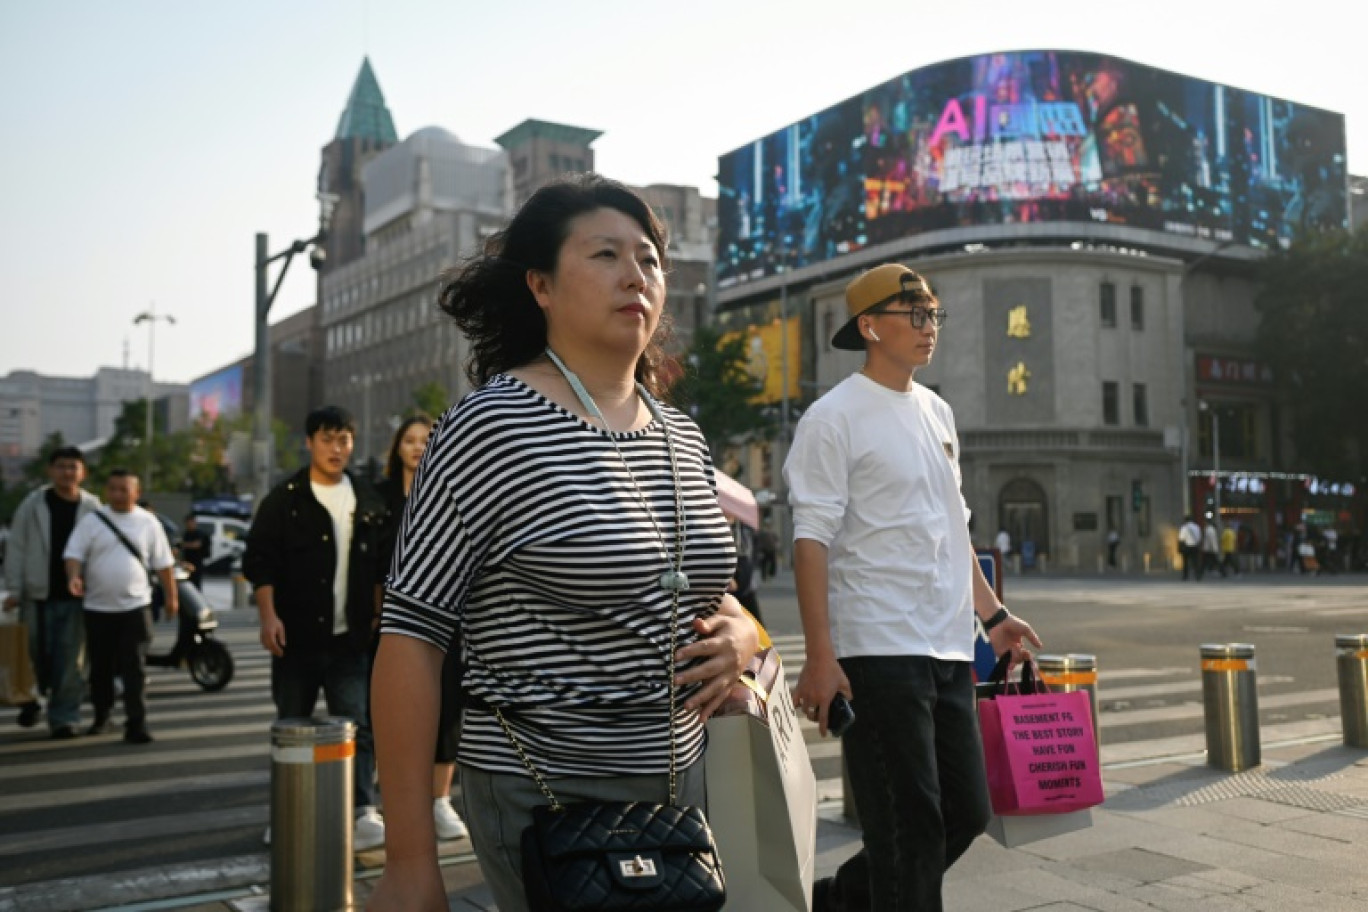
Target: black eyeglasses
x,y
919,315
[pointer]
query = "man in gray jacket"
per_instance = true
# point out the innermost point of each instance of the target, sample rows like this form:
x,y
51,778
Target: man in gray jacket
x,y
36,579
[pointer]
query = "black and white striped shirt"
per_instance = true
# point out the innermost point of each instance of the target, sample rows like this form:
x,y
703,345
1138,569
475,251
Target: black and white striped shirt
x,y
524,528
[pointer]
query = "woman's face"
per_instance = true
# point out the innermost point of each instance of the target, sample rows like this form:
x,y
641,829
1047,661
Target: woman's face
x,y
412,445
608,289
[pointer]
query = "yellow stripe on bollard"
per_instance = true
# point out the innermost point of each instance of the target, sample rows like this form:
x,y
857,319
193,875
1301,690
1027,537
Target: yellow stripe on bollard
x,y
1070,678
326,753
1227,665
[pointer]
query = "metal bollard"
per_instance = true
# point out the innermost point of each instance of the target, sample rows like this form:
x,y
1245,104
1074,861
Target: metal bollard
x,y
1352,662
1230,701
239,592
1067,673
311,814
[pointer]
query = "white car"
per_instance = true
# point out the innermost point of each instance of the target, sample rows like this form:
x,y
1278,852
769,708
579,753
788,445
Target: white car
x,y
227,541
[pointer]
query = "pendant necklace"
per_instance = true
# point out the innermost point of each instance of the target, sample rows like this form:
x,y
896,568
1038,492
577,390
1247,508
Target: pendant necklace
x,y
673,580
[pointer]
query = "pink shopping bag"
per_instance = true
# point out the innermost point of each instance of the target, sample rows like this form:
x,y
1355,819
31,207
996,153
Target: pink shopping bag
x,y
1040,753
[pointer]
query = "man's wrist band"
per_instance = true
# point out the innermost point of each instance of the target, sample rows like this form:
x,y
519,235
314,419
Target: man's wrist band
x,y
998,617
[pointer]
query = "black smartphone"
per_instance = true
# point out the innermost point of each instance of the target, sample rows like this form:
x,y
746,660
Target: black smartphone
x,y
840,716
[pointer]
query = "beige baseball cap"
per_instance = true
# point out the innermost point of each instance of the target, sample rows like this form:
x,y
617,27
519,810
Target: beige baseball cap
x,y
872,289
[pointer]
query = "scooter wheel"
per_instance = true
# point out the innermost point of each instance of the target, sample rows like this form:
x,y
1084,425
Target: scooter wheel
x,y
211,665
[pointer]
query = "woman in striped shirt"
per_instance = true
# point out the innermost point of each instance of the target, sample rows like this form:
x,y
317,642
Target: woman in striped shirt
x,y
560,517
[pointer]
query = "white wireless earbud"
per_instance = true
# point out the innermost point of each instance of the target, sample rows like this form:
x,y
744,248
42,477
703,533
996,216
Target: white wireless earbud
x,y
875,336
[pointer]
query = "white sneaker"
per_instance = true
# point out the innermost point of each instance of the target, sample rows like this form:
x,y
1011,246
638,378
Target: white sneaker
x,y
449,823
370,830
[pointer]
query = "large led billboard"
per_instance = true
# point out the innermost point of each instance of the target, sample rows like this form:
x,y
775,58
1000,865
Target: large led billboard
x,y
1030,136
218,395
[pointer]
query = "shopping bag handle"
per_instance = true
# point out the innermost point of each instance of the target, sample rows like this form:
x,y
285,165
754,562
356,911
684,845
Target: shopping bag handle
x,y
1031,681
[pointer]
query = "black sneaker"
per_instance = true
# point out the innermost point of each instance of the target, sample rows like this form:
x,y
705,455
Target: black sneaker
x,y
138,736
64,733
29,713
98,727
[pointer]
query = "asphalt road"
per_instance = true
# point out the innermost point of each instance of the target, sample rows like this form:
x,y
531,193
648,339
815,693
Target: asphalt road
x,y
200,793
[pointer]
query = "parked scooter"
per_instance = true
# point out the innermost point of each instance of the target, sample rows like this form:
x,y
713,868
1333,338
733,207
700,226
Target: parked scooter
x,y
209,661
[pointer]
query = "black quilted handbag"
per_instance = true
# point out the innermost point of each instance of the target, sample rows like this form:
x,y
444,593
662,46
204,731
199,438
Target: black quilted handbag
x,y
621,856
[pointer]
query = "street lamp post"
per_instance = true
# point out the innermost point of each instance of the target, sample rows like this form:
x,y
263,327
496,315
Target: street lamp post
x,y
1203,405
365,380
261,359
150,317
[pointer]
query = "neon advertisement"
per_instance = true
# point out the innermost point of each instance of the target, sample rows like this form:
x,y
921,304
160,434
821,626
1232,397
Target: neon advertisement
x,y
1030,136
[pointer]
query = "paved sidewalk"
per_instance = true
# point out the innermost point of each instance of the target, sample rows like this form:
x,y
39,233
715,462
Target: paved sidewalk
x,y
1173,835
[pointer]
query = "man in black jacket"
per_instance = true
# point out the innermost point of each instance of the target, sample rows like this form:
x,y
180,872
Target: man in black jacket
x,y
314,559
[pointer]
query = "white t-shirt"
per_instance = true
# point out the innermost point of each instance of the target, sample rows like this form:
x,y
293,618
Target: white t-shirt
x,y
1189,535
340,502
115,580
874,475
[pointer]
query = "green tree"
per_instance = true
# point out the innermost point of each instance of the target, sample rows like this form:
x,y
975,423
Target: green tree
x,y
431,398
716,389
1314,333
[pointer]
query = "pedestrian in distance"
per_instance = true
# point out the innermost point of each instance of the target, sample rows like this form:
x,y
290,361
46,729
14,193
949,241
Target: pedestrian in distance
x,y
406,449
742,585
194,549
110,561
313,558
35,576
1211,551
1189,546
888,587
1003,542
566,521
1228,559
767,552
1113,543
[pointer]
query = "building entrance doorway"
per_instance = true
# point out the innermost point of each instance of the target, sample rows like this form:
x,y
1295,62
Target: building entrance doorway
x,y
1023,513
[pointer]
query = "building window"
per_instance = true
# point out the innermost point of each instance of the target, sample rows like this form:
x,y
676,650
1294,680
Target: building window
x,y
1238,431
1108,305
1137,307
1111,407
1140,402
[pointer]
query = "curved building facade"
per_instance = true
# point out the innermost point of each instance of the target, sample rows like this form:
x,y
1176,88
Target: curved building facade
x,y
1091,224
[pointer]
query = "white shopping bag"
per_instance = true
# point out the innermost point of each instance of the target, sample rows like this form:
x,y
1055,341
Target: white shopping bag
x,y
1021,830
762,796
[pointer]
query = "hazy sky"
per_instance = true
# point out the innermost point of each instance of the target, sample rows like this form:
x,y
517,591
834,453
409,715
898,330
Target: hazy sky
x,y
145,143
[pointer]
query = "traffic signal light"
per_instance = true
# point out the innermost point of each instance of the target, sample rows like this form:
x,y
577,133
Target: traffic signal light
x,y
1137,495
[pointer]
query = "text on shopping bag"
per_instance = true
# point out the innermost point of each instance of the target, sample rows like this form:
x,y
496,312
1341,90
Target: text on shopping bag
x,y
1051,750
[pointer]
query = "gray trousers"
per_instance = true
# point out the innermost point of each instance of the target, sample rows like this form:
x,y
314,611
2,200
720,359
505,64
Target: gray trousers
x,y
498,807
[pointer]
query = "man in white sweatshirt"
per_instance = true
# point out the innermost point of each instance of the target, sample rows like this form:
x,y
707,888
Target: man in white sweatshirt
x,y
888,587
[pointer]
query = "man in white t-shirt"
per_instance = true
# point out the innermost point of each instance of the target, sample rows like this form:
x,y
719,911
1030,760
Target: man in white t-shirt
x,y
888,588
1189,546
108,559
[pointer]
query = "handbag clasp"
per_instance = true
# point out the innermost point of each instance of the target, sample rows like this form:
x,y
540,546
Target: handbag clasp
x,y
638,867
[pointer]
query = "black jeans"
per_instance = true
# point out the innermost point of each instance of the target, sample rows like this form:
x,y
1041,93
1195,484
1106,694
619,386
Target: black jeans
x,y
342,672
117,642
915,759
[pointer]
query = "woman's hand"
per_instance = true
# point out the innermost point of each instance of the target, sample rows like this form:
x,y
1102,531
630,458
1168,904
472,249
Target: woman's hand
x,y
726,643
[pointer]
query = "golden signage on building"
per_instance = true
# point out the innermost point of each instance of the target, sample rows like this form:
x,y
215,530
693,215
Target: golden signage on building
x,y
1016,379
1018,325
766,357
